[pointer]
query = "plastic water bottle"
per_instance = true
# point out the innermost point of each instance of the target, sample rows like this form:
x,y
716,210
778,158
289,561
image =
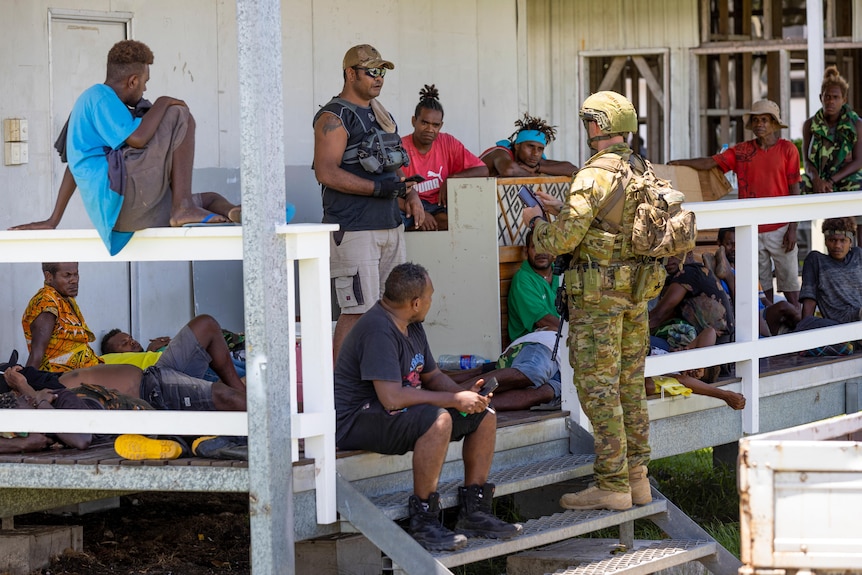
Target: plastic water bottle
x,y
451,362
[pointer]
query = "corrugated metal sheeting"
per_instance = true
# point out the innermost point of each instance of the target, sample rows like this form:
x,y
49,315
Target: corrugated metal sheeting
x,y
559,31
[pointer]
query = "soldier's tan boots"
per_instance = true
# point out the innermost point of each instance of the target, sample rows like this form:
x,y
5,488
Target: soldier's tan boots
x,y
595,498
641,492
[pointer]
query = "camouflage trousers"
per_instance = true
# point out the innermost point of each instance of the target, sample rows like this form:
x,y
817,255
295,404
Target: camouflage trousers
x,y
608,343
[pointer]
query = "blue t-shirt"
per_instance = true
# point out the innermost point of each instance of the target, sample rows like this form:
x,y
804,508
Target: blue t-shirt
x,y
99,120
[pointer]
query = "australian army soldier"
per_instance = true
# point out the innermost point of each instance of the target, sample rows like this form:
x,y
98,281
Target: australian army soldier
x,y
607,288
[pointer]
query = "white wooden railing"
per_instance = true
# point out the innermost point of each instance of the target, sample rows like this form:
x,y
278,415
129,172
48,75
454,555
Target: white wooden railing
x,y
748,348
307,244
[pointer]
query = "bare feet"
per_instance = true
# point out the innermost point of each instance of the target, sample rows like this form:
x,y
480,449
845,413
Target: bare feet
x,y
218,204
722,265
196,215
709,261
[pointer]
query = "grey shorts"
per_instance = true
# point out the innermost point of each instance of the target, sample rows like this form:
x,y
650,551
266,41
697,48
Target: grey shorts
x,y
175,382
786,264
360,263
147,200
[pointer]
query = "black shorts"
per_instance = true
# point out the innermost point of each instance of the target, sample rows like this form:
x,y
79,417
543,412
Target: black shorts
x,y
373,428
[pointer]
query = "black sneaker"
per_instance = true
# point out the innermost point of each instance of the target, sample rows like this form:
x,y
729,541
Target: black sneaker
x,y
221,447
476,518
426,528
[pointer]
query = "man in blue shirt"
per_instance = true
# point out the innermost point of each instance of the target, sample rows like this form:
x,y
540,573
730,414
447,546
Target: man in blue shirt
x,y
136,173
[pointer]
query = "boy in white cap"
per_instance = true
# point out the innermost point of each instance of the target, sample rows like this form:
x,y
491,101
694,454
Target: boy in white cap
x,y
766,167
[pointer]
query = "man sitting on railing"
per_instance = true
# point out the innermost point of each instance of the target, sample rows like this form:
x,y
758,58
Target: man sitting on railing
x,y
391,398
833,283
523,154
134,173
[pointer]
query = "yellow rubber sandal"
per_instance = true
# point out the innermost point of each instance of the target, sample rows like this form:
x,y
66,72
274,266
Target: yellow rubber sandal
x,y
139,448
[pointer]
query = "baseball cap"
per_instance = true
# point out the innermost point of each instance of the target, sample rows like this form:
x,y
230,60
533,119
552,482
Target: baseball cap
x,y
365,56
763,107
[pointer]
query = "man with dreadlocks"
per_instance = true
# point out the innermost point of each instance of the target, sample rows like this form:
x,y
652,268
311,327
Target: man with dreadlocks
x,y
523,154
436,157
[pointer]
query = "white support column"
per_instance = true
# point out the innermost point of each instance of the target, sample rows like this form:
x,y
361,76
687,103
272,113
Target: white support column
x,y
747,323
816,58
816,67
317,422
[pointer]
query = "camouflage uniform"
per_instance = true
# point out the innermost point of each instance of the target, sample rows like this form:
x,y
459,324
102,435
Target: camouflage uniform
x,y
608,324
829,150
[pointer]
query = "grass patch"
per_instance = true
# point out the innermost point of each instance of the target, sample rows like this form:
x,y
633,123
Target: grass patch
x,y
704,492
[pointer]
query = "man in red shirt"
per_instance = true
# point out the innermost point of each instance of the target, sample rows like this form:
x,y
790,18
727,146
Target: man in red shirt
x,y
766,167
436,157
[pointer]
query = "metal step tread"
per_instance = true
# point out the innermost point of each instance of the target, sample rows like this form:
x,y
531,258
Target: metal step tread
x,y
549,529
508,480
649,559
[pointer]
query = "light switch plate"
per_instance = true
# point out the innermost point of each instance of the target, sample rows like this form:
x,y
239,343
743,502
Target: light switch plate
x,y
15,130
16,153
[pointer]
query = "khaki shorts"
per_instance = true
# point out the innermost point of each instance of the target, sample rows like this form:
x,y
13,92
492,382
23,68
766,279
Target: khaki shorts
x,y
147,201
770,252
360,264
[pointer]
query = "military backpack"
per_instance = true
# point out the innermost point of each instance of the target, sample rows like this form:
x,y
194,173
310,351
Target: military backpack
x,y
661,227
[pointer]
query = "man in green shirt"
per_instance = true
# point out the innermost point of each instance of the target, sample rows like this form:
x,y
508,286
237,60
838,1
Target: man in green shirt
x,y
532,294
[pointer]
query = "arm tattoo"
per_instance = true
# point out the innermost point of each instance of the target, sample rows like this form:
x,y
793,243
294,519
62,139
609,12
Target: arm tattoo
x,y
330,123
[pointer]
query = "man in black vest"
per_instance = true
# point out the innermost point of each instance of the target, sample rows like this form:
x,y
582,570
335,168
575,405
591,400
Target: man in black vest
x,y
357,159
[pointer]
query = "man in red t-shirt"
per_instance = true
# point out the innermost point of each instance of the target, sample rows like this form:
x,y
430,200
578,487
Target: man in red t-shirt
x,y
765,167
436,157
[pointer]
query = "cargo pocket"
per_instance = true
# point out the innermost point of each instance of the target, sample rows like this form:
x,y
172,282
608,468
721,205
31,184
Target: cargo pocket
x,y
582,344
348,289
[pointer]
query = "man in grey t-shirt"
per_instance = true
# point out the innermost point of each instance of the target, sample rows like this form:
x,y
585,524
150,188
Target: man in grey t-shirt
x,y
833,282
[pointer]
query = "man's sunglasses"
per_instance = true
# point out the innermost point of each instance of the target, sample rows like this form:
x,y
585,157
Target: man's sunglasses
x,y
372,72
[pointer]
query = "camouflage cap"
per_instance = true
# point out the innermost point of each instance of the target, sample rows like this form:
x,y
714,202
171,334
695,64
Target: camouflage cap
x,y
613,112
763,107
365,56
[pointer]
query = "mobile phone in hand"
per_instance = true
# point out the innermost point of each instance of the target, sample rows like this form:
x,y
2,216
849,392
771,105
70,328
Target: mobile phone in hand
x,y
415,179
527,197
490,385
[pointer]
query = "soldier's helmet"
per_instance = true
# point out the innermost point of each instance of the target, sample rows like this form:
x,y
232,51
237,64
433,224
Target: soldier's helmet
x,y
613,112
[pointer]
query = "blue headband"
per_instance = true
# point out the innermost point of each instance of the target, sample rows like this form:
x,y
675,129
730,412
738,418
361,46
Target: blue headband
x,y
531,136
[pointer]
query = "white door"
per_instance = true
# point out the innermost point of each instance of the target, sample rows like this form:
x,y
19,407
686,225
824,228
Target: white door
x,y
79,49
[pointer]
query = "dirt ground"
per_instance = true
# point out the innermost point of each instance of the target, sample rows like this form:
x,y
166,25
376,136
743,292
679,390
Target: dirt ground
x,y
158,534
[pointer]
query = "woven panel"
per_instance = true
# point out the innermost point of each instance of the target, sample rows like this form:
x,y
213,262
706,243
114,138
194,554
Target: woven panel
x,y
510,226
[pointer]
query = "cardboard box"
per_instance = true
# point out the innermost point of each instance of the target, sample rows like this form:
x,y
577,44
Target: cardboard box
x,y
697,185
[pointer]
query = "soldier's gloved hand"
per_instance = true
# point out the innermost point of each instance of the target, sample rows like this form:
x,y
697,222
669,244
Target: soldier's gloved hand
x,y
390,189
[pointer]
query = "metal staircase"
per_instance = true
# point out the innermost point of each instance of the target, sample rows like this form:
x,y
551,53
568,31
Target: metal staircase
x,y
373,507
